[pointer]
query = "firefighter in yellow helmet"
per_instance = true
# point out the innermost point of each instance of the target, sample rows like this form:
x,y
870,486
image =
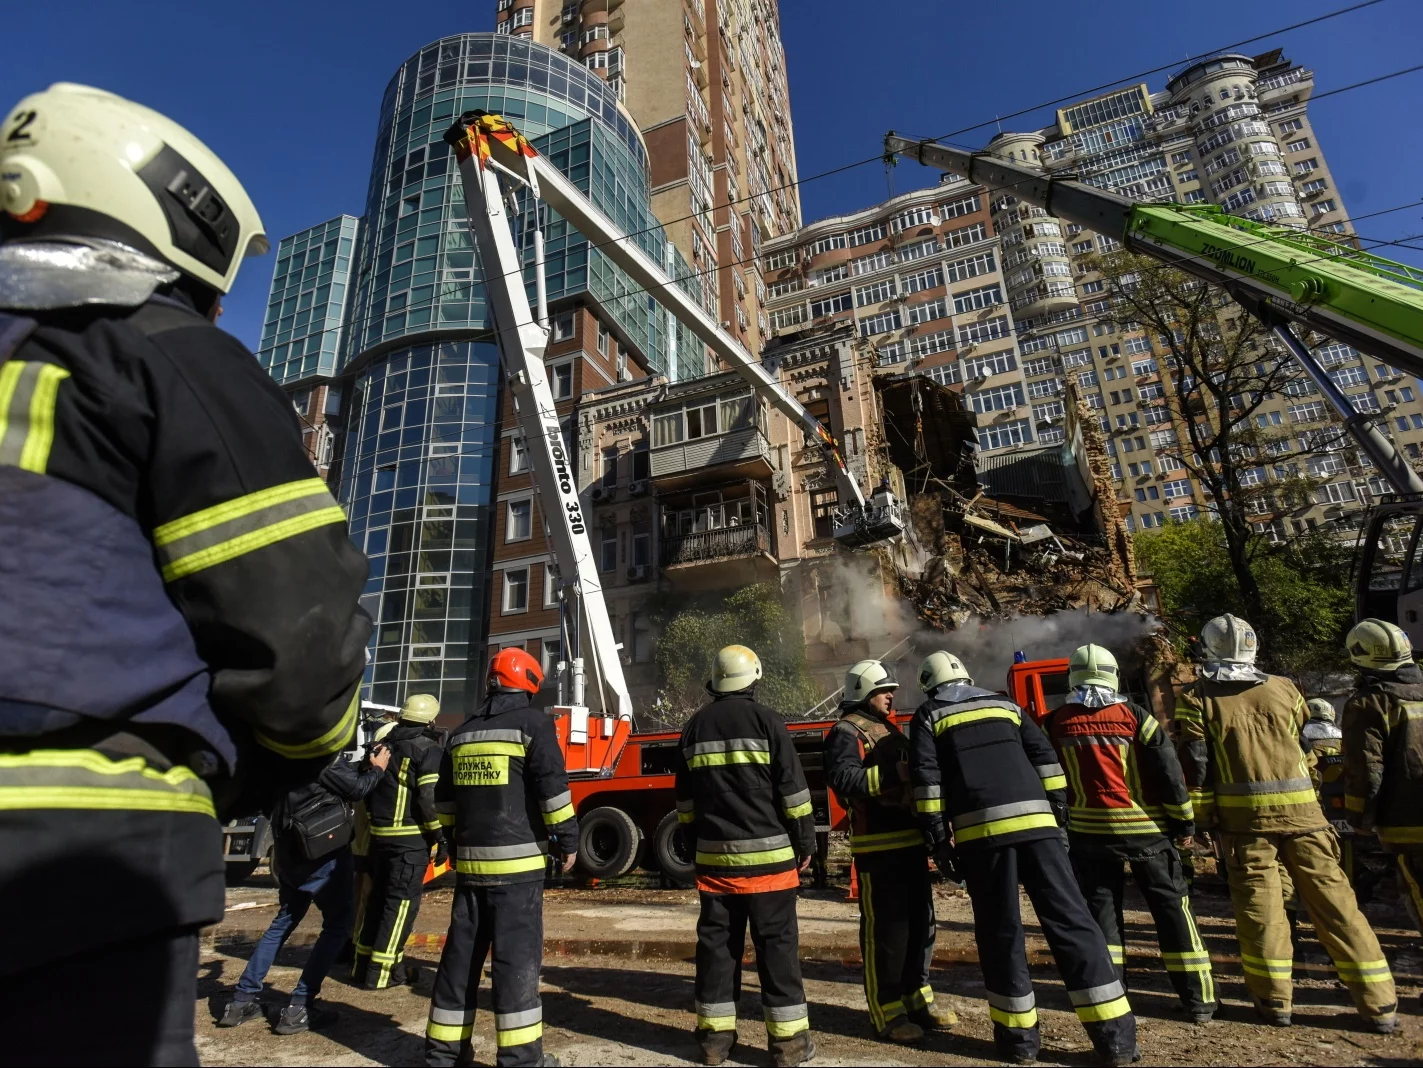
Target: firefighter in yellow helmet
x,y
180,639
867,765
1240,750
742,795
1383,750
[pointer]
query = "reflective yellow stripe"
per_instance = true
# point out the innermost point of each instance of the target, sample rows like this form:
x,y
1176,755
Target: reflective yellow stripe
x,y
1400,835
447,819
1118,954
558,815
872,781
1008,826
733,756
488,749
1107,1010
746,860
787,1028
294,508
1181,812
333,741
1055,782
1273,968
1013,1019
448,1032
879,843
799,811
1289,797
402,793
686,817
28,395
1354,803
959,719
716,1023
1148,728
84,779
426,780
500,867
1364,971
929,804
519,1036
868,949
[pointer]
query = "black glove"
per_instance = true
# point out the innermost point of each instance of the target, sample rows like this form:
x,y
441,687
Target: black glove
x,y
946,860
442,853
1059,812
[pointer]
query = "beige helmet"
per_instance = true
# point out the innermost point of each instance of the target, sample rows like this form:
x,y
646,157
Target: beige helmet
x,y
1091,665
1320,709
382,731
735,668
1230,638
1380,645
81,162
419,708
939,668
866,679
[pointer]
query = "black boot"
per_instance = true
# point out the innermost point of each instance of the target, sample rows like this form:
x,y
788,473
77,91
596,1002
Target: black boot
x,y
716,1045
789,1052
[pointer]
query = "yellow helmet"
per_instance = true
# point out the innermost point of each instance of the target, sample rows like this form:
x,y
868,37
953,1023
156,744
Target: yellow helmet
x,y
1091,665
1320,709
1377,644
81,162
382,731
419,708
735,668
866,679
939,668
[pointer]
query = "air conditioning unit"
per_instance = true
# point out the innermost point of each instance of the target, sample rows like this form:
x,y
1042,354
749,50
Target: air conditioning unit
x,y
638,573
637,487
603,493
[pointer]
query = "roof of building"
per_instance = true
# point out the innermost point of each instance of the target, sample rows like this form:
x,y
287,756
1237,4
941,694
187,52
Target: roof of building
x,y
1033,474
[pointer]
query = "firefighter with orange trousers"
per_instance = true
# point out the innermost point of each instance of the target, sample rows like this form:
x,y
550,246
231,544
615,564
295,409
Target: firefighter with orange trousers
x,y
1126,803
742,795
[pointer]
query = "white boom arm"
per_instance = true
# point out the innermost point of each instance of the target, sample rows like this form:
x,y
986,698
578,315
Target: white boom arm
x,y
522,340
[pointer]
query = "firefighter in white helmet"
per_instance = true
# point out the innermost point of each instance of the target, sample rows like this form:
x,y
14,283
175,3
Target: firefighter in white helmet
x,y
742,795
1248,776
1383,750
984,773
867,765
181,639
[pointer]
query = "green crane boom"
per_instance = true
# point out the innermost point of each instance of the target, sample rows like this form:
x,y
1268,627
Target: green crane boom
x,y
1283,276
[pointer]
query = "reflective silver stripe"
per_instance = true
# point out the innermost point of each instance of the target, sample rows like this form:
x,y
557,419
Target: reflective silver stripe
x,y
716,1008
922,793
792,800
1000,812
1097,994
553,804
1004,1003
1276,786
745,845
1047,771
786,1013
451,1017
507,1021
1096,739
728,745
686,806
968,706
504,852
517,737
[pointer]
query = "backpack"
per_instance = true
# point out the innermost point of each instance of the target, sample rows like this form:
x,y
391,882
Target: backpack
x,y
319,825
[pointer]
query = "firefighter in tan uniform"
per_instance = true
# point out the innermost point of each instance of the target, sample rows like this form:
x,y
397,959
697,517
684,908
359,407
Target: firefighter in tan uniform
x,y
1249,778
1383,750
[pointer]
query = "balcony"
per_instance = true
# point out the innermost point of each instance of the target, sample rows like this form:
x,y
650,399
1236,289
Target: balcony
x,y
718,538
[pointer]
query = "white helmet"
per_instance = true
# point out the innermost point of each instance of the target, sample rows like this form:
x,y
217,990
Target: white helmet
x,y
420,708
1377,644
1320,709
736,668
81,162
939,668
1231,639
1091,665
866,679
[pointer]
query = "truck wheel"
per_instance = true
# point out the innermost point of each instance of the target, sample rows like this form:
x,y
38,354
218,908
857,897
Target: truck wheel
x,y
674,853
607,843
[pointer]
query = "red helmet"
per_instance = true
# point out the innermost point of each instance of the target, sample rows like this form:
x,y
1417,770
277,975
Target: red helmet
x,y
514,669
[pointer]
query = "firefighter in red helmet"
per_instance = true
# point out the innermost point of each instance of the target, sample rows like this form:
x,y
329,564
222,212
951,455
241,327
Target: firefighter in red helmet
x,y
503,799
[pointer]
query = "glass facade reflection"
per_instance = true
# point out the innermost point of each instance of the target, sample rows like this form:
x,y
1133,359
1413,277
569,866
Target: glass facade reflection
x,y
417,469
306,306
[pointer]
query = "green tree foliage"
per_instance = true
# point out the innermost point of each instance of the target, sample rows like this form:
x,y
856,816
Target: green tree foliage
x,y
754,616
1306,599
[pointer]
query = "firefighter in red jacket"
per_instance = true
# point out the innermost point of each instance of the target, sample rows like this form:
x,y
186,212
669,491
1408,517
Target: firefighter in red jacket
x,y
742,794
1127,802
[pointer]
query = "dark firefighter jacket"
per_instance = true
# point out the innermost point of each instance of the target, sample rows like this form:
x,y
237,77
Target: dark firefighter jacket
x,y
1240,752
180,604
980,765
1125,792
741,789
863,752
1383,756
401,808
503,794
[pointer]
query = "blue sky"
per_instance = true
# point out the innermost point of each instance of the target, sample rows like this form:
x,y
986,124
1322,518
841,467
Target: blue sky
x,y
287,92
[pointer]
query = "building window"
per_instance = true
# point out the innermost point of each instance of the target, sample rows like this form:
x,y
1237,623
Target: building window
x,y
550,587
602,340
518,455
523,17
519,522
610,467
1323,207
998,399
880,324
608,553
1304,166
822,506
1005,435
563,327
641,548
430,651
1291,125
560,381
552,654
641,462
975,299
516,590
1302,145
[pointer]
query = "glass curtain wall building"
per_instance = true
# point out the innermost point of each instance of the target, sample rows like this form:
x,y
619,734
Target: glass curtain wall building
x,y
417,471
306,308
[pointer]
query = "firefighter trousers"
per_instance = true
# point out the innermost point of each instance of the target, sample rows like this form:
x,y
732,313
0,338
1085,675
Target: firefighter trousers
x,y
1160,878
1080,951
721,943
509,921
1410,883
896,934
1252,864
397,878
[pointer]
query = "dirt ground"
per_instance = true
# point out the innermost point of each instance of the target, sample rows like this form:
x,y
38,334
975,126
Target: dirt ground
x,y
618,991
